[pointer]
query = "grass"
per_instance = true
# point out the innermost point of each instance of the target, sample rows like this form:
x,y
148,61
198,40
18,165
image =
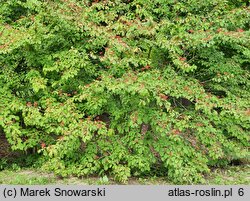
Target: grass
x,y
231,175
35,177
25,177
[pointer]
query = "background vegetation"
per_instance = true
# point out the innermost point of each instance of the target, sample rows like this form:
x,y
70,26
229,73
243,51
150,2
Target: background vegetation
x,y
126,87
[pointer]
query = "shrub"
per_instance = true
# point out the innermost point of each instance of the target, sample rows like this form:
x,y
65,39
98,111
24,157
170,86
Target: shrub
x,y
126,87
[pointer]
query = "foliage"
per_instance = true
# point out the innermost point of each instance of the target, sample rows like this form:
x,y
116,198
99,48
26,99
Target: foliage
x,y
126,87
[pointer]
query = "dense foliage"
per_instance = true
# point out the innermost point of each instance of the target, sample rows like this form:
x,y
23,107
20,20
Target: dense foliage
x,y
126,87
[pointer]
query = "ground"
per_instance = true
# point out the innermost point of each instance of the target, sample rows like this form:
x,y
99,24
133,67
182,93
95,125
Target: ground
x,y
231,175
